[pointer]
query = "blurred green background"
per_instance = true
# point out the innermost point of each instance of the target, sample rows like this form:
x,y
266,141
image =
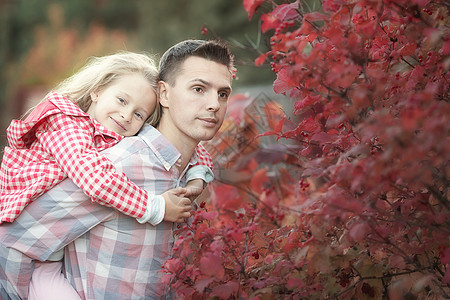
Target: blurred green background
x,y
45,41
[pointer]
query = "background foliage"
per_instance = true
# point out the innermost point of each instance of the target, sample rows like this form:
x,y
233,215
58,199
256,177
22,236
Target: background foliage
x,y
341,193
349,200
44,41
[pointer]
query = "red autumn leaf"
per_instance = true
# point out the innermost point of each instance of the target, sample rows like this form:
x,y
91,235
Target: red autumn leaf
x,y
286,11
421,2
305,152
226,197
236,234
259,179
322,137
202,283
261,59
407,49
280,14
315,16
331,5
277,130
270,21
236,107
251,6
211,265
359,231
274,115
174,265
284,82
445,256
309,125
275,153
446,47
278,127
268,133
446,278
397,261
226,290
295,283
305,102
211,215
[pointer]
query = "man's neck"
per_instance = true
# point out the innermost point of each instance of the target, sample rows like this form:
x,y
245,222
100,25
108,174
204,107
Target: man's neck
x,y
184,146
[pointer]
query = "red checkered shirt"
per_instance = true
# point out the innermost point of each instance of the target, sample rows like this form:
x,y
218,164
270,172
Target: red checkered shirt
x,y
59,140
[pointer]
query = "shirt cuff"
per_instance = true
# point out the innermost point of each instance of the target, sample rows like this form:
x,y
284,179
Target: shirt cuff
x,y
154,213
200,172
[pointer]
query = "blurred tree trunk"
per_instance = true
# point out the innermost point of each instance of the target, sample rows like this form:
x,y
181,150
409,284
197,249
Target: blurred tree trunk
x,y
4,38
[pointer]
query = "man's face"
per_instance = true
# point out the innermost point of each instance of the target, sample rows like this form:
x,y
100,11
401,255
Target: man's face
x,y
197,102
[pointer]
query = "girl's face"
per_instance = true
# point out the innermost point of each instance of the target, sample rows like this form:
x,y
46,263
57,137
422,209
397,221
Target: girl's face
x,y
124,105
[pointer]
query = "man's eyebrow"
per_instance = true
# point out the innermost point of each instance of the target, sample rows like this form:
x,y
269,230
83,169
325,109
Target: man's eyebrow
x,y
207,83
201,81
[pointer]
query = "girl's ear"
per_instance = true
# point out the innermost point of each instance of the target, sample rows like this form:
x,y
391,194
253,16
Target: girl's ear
x,y
94,96
163,88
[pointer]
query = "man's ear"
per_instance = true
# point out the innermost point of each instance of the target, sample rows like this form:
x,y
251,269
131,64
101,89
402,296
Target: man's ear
x,y
163,88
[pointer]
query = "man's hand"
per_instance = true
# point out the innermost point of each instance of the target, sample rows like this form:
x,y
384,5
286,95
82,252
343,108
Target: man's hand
x,y
194,188
177,207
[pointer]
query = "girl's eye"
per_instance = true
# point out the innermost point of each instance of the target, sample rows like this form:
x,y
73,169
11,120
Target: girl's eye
x,y
139,116
121,100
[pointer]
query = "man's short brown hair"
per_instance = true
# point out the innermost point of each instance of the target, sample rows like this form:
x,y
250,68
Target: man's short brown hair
x,y
173,58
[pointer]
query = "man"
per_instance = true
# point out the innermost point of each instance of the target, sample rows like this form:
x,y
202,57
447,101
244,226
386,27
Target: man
x,y
113,256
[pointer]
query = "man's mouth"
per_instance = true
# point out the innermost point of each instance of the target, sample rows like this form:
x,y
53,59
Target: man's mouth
x,y
210,122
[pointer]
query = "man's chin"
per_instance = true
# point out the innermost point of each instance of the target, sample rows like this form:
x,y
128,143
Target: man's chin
x,y
208,134
206,137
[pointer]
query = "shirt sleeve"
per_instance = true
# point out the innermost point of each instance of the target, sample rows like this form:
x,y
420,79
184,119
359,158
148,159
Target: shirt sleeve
x,y
204,158
155,211
203,169
74,150
199,172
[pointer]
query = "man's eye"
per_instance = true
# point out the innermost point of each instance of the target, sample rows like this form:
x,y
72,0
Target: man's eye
x,y
121,100
198,89
223,95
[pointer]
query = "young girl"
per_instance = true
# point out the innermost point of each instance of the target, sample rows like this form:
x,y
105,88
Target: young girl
x,y
111,97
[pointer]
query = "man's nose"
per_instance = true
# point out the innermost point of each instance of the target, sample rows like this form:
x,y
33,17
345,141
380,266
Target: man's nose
x,y
213,102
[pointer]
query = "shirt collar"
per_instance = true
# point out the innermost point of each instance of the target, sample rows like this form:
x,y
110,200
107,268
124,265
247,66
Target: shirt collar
x,y
167,154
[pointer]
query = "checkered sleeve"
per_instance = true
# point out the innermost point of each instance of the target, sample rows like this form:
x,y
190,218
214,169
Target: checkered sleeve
x,y
204,158
73,148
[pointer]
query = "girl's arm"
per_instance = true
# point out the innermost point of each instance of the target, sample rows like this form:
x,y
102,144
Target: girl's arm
x,y
74,150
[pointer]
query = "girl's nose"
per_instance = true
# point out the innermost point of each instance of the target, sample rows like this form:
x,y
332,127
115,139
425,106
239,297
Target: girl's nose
x,y
126,116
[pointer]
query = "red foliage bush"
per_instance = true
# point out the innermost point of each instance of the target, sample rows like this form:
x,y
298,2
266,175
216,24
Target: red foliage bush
x,y
356,205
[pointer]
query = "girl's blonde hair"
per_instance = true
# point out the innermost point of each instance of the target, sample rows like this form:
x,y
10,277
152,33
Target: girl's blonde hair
x,y
100,72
